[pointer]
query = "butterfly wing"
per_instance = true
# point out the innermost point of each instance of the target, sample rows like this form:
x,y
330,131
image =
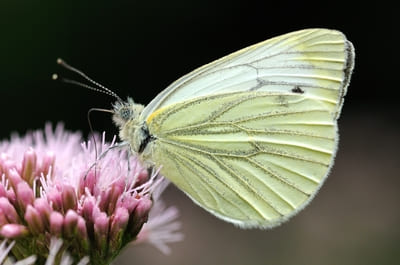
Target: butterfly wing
x,y
317,61
251,158
251,137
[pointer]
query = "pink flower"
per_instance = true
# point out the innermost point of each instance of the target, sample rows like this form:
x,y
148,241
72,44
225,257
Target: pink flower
x,y
51,187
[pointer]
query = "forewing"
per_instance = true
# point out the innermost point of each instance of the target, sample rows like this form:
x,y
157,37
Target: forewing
x,y
251,158
316,61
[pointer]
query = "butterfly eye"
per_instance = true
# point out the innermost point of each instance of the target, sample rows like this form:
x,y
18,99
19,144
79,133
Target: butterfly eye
x,y
125,113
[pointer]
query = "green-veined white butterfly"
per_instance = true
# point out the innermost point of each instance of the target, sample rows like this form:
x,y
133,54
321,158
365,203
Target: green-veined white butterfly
x,y
252,136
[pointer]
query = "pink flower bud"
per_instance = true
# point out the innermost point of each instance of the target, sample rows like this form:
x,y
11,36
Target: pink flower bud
x,y
101,225
82,234
118,224
29,166
13,177
24,194
68,198
35,224
87,210
143,208
88,182
96,213
140,215
48,163
44,209
119,221
129,202
56,224
114,194
70,223
105,199
11,196
6,164
81,227
54,196
9,211
13,231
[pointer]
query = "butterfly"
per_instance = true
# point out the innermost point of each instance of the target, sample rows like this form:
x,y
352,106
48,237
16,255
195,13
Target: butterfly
x,y
250,137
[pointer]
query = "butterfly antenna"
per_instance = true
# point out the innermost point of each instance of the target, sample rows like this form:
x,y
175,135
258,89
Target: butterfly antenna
x,y
100,87
77,83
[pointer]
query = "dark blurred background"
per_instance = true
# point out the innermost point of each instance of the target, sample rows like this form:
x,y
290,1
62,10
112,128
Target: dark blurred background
x,y
137,48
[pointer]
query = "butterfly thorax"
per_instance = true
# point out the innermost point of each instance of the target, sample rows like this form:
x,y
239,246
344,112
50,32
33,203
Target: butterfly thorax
x,y
133,129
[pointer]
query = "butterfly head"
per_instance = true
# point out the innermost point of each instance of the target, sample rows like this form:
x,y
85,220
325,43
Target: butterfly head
x,y
126,111
127,118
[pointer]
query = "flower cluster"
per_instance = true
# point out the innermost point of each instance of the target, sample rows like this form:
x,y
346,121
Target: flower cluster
x,y
53,187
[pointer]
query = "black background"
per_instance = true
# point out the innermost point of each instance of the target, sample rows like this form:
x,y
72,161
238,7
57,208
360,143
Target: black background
x,y
137,48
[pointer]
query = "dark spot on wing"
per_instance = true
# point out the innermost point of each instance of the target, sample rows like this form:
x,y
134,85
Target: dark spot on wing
x,y
298,90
